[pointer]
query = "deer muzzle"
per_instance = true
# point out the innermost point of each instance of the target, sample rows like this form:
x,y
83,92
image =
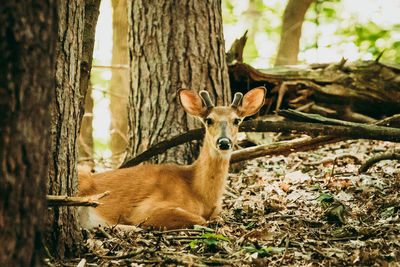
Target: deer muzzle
x,y
224,143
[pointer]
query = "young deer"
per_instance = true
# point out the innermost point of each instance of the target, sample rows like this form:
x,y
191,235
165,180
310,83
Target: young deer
x,y
172,196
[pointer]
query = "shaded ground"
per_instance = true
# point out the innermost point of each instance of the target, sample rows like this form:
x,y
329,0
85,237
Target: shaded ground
x,y
307,209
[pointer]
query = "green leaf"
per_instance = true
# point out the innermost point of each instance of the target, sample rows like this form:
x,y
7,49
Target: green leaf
x,y
211,236
250,249
388,212
329,12
193,244
263,251
325,197
210,241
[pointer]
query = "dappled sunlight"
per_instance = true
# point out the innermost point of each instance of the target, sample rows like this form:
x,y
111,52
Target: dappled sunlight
x,y
326,37
100,82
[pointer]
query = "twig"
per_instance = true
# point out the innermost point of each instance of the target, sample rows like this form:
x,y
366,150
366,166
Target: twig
x,y
107,235
82,263
341,63
333,159
124,256
386,156
286,249
183,238
393,121
91,201
180,230
376,61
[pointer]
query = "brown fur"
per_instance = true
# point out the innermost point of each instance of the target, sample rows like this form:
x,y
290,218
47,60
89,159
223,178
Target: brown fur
x,y
169,195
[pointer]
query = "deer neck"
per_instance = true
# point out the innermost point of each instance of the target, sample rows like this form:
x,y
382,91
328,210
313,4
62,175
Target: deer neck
x,y
210,172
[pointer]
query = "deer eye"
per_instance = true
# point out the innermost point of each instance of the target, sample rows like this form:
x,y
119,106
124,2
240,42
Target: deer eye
x,y
236,121
208,121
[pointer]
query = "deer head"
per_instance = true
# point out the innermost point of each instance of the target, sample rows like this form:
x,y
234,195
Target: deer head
x,y
222,122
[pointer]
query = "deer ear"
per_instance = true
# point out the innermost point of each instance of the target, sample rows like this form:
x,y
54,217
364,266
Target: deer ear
x,y
253,100
192,103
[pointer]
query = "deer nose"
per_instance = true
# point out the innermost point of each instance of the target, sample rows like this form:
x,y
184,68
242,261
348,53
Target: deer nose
x,y
224,143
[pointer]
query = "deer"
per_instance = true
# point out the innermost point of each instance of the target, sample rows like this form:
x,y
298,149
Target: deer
x,y
171,196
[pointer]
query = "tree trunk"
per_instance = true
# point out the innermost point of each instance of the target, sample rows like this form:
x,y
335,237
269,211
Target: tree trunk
x,y
74,56
27,54
292,22
119,84
86,136
173,45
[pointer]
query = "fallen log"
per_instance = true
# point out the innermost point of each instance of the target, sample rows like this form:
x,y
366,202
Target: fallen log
x,y
350,131
393,121
355,91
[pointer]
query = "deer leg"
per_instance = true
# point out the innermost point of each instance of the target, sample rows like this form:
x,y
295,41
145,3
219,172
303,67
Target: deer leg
x,y
173,218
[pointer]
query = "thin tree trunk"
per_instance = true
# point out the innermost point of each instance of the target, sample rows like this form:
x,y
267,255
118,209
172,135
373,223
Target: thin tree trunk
x,y
173,45
292,22
86,136
74,56
27,54
119,84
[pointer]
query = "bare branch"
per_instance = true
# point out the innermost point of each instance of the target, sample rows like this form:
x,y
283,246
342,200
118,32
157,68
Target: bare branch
x,y
385,156
91,201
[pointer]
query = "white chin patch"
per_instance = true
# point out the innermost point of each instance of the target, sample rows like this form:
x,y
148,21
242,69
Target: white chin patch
x,y
218,153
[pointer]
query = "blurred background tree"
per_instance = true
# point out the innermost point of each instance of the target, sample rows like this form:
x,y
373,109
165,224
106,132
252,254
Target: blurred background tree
x,y
332,29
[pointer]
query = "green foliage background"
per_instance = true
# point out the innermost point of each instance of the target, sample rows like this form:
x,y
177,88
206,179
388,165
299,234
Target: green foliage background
x,y
330,28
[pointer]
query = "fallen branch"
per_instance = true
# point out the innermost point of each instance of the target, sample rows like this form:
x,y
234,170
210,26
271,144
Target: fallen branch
x,y
282,148
91,201
346,130
385,156
161,147
296,115
333,160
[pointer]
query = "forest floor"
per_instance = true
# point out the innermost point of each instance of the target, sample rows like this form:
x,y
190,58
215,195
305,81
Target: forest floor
x,y
306,209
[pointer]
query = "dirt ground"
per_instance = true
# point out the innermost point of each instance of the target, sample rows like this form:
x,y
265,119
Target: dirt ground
x,y
307,209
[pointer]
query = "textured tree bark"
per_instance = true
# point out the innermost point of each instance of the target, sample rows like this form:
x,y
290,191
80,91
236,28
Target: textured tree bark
x,y
292,21
27,54
173,45
119,84
72,74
